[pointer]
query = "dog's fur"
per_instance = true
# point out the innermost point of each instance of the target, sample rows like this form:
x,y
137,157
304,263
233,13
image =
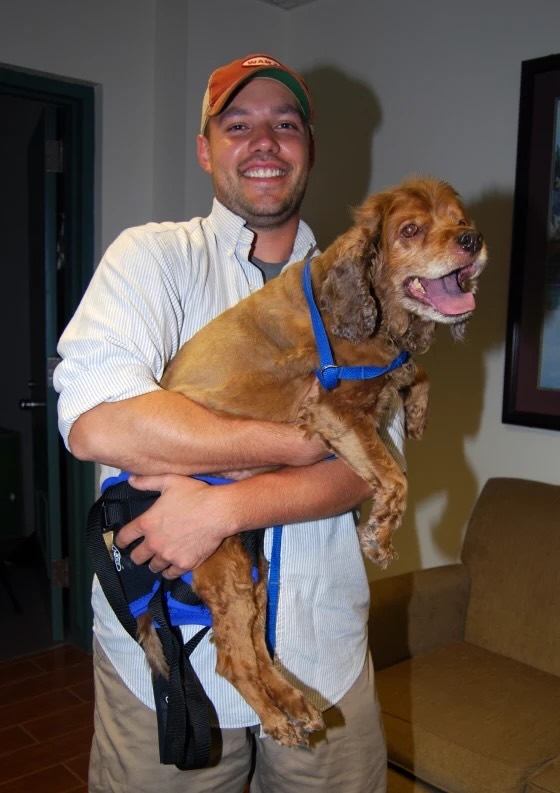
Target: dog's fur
x,y
381,290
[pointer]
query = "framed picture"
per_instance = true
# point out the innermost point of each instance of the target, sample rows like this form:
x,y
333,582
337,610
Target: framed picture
x,y
532,374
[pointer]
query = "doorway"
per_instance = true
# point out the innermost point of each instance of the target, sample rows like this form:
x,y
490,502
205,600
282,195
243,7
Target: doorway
x,y
46,155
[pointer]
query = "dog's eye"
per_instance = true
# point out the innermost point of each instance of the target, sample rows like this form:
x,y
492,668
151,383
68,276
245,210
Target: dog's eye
x,y
410,230
462,223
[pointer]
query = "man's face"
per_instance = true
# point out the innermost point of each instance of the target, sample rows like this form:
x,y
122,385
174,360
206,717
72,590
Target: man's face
x,y
257,151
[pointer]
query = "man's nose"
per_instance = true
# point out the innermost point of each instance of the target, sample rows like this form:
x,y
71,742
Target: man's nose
x,y
264,138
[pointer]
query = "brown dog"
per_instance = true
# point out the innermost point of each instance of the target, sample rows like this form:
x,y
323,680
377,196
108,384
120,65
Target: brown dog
x,y
411,260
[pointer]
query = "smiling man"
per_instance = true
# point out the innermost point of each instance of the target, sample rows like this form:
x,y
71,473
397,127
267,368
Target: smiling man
x,y
154,288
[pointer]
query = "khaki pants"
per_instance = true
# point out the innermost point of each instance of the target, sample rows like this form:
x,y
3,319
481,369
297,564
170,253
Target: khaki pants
x,y
349,756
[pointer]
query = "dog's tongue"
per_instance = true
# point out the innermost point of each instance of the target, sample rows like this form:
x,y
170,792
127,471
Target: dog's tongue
x,y
446,295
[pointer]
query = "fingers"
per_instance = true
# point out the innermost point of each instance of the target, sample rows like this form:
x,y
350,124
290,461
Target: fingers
x,y
168,571
127,535
173,572
147,482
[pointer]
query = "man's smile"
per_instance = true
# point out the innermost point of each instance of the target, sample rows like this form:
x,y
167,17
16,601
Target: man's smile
x,y
262,172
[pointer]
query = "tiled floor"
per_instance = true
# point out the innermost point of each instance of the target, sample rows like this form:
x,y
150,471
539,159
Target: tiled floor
x,y
46,722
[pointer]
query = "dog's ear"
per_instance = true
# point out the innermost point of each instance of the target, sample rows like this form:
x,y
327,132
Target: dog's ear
x,y
347,293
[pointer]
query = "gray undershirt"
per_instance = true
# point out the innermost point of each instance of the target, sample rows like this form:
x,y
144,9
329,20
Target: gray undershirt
x,y
268,270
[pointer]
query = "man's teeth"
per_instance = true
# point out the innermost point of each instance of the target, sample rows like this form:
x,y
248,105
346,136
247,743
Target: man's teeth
x,y
417,285
263,173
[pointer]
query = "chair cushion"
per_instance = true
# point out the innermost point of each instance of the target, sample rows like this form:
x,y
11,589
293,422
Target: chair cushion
x,y
465,719
511,549
547,780
398,782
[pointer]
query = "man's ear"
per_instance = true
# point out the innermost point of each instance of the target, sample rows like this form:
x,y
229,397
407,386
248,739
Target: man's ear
x,y
203,153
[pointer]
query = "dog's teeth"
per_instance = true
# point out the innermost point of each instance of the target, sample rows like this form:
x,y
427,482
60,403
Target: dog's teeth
x,y
418,285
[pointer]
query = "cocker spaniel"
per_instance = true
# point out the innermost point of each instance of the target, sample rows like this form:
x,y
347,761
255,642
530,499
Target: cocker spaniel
x,y
410,261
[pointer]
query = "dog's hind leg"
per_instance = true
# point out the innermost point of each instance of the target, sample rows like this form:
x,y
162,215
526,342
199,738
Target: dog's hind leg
x,y
289,699
224,583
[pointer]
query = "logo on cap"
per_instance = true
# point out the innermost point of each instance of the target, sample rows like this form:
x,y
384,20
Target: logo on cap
x,y
260,60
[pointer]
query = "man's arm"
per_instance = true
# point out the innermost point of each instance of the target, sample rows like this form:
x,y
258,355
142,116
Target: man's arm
x,y
164,432
191,519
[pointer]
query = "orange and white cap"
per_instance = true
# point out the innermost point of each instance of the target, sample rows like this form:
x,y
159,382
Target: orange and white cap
x,y
227,79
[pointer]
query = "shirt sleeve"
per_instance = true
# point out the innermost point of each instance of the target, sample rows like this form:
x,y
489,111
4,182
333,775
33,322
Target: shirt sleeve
x,y
124,331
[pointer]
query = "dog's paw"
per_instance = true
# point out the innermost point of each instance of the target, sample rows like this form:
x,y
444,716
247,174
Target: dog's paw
x,y
381,553
307,717
286,732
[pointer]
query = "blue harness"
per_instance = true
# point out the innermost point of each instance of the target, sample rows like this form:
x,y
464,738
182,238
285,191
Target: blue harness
x,y
141,584
329,374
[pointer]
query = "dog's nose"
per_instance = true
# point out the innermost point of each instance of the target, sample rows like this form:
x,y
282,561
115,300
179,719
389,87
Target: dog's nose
x,y
470,241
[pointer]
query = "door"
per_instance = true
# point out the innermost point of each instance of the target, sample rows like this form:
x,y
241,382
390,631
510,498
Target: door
x,y
45,178
57,239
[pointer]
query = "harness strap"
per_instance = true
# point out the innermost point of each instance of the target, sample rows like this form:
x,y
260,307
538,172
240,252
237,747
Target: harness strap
x,y
182,706
329,373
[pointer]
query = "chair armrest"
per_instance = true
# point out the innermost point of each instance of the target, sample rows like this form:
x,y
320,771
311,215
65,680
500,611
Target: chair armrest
x,y
416,612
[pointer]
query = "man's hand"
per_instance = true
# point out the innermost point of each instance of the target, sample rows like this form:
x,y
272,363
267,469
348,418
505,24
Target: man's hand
x,y
184,527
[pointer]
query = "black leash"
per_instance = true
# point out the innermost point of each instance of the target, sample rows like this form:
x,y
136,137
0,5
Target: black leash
x,y
182,706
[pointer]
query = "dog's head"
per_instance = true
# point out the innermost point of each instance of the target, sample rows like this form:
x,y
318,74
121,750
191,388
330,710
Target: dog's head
x,y
414,257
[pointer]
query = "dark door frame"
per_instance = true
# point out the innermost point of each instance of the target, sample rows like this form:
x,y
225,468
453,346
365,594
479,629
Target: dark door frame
x,y
76,101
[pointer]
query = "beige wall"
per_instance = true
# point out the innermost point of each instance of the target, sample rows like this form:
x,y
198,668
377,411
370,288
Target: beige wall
x,y
400,88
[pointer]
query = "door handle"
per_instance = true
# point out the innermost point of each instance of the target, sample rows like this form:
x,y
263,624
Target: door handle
x,y
30,404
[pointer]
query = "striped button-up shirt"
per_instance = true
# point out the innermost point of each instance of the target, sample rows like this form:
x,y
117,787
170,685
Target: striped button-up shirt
x,y
156,286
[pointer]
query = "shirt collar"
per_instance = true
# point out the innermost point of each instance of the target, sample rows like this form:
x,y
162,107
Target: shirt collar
x,y
235,236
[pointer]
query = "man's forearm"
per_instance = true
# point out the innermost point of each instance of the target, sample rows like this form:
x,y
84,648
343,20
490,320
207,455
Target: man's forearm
x,y
293,495
191,519
164,432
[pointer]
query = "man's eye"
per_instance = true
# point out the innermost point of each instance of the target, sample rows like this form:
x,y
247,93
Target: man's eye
x,y
236,127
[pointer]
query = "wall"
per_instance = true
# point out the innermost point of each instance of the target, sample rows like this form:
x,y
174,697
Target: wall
x,y
438,87
109,44
400,88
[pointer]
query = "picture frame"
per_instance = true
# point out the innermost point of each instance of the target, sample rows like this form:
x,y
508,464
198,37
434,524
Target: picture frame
x,y
532,372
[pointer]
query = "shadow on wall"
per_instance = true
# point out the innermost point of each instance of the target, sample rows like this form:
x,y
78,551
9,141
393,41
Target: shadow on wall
x,y
441,478
442,482
347,116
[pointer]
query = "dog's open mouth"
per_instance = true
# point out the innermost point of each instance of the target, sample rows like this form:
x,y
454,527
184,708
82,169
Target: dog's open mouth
x,y
449,295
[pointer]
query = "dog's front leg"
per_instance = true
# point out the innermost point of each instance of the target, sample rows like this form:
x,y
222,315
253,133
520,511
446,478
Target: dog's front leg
x,y
415,400
352,435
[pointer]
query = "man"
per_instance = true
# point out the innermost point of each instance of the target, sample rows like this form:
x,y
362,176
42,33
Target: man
x,y
155,287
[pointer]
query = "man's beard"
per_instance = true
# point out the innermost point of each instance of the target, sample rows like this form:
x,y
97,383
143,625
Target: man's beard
x,y
265,212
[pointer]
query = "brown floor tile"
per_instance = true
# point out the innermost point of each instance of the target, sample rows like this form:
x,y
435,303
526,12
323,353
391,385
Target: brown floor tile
x,y
12,671
56,779
58,678
46,754
84,691
14,738
50,703
79,766
61,657
46,722
53,725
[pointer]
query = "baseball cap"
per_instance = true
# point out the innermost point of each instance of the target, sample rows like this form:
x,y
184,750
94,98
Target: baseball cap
x,y
227,79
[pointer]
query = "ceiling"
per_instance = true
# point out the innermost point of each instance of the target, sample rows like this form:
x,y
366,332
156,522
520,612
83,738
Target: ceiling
x,y
287,4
